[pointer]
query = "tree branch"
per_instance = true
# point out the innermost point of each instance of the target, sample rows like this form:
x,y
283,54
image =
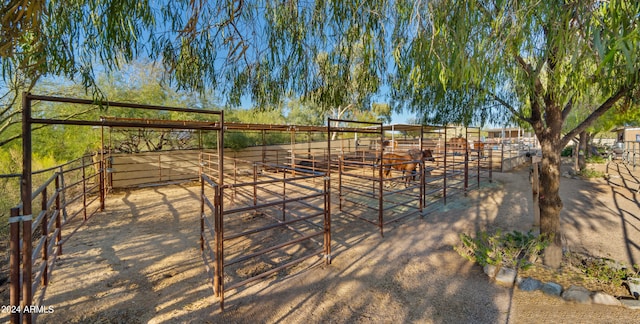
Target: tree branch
x,y
8,123
17,136
526,66
567,109
10,139
508,106
608,104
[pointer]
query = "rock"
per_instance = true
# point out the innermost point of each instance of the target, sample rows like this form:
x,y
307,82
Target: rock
x,y
604,299
506,277
551,288
634,287
490,270
577,294
530,284
630,303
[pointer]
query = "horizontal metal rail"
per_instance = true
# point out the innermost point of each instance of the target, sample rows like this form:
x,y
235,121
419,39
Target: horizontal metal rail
x,y
268,227
272,271
272,248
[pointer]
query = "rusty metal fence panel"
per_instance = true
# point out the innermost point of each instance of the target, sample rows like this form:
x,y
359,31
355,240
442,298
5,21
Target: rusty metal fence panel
x,y
265,219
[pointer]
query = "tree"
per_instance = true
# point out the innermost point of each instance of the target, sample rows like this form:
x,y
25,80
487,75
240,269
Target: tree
x,y
476,60
345,83
265,49
301,113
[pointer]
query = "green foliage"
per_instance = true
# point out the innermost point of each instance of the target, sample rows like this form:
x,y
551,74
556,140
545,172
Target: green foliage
x,y
299,113
596,159
634,271
236,141
555,58
10,159
515,249
591,173
602,270
265,49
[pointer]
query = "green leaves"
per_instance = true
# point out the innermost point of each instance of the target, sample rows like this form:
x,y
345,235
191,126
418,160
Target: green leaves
x,y
515,249
264,49
269,49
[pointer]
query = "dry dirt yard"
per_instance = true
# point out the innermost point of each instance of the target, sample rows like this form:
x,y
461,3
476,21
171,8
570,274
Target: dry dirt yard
x,y
139,262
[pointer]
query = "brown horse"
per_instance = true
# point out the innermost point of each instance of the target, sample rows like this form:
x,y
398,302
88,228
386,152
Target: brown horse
x,y
405,162
458,145
389,143
425,155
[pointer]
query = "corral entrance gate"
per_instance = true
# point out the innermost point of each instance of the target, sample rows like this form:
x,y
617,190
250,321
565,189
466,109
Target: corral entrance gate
x,y
268,217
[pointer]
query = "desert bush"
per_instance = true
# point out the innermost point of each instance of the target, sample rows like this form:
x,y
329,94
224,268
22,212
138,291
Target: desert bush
x,y
515,249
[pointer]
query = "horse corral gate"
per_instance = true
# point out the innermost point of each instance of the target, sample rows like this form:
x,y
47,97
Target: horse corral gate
x,y
268,217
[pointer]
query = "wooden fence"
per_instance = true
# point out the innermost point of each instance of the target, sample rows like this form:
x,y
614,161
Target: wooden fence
x,y
146,168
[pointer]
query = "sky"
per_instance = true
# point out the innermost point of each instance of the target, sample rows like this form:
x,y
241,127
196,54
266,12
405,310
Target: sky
x,y
402,118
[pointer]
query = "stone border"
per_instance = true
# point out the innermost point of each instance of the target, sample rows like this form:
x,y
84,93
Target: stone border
x,y
577,294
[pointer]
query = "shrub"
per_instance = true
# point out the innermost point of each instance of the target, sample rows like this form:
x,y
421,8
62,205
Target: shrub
x,y
514,250
601,270
596,159
591,173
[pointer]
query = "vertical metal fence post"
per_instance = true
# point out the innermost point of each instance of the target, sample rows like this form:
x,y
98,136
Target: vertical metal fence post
x,y
216,240
284,194
84,190
340,170
444,180
14,263
101,166
220,211
381,184
26,190
327,220
219,276
44,226
478,174
255,180
466,170
313,166
60,185
422,186
59,191
491,165
202,215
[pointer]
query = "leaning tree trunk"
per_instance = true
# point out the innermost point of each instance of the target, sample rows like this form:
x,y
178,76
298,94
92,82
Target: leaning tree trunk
x,y
550,202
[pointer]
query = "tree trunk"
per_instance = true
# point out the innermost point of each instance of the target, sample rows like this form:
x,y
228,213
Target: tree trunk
x,y
582,151
550,202
574,155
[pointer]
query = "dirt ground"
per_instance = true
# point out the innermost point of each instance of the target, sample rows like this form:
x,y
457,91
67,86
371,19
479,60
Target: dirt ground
x,y
139,262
